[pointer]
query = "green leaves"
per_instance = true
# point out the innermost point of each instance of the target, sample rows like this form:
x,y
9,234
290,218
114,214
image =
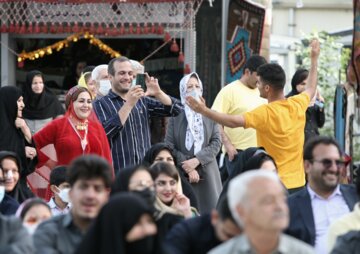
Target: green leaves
x,y
332,65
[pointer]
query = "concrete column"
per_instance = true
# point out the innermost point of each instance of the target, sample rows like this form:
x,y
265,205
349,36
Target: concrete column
x,y
190,49
224,18
265,44
8,60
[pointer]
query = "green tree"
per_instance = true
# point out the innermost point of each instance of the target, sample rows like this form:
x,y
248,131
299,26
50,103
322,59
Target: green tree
x,y
332,65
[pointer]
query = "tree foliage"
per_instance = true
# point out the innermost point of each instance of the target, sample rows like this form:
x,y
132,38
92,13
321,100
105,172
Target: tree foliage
x,y
332,65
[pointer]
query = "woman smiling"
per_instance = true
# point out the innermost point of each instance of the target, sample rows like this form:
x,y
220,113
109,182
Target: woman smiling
x,y
74,134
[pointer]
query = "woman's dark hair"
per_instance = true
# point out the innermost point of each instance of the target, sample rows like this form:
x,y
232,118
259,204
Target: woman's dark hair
x,y
257,160
28,204
164,168
12,156
121,183
299,76
31,75
224,210
151,154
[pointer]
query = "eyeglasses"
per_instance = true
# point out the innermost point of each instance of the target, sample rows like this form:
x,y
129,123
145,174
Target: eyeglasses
x,y
327,163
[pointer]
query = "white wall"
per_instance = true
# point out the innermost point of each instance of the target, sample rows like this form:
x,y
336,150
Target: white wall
x,y
306,20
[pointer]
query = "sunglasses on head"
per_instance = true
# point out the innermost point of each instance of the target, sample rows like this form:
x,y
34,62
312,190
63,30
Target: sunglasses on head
x,y
327,163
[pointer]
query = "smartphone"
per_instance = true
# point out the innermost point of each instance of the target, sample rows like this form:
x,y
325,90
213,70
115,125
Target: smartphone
x,y
140,80
319,104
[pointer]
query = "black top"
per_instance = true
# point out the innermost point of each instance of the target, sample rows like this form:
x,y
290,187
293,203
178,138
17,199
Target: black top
x,y
8,206
192,236
12,139
40,106
315,116
108,232
244,156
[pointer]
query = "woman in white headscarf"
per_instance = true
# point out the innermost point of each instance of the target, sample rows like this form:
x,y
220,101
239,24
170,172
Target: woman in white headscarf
x,y
195,141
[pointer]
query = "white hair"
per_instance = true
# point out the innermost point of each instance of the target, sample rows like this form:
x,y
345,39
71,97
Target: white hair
x,y
239,189
96,71
136,66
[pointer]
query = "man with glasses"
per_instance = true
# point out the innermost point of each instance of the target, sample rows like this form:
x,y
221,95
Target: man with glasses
x,y
324,199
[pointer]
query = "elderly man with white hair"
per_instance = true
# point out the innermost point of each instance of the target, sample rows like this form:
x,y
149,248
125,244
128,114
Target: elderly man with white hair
x,y
257,201
100,77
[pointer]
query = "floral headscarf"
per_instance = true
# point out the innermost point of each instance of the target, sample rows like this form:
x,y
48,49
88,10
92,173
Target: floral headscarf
x,y
195,128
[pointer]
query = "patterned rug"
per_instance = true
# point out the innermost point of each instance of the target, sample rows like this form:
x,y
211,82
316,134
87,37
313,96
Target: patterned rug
x,y
244,34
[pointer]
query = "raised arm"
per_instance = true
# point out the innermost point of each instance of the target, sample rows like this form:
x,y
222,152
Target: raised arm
x,y
231,121
153,89
311,84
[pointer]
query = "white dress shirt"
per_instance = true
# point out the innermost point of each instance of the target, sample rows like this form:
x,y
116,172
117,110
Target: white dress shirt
x,y
325,212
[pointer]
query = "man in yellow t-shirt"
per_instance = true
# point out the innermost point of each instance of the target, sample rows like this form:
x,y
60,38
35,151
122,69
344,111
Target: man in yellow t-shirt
x,y
280,123
236,98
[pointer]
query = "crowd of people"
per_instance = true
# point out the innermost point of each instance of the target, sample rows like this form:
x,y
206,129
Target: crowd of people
x,y
110,190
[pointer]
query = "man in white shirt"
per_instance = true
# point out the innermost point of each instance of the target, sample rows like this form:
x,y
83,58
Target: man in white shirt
x,y
324,200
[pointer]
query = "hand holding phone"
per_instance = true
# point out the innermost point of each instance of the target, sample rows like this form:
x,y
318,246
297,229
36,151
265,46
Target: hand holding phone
x,y
319,103
140,80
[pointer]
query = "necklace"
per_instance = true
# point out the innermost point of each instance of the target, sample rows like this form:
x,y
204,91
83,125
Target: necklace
x,y
83,141
81,126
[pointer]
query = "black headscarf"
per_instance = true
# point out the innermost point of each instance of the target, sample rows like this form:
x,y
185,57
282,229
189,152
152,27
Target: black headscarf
x,y
121,182
20,193
151,154
299,76
40,106
257,160
12,139
108,232
245,156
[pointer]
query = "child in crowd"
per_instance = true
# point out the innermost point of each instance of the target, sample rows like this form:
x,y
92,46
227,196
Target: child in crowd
x,y
59,203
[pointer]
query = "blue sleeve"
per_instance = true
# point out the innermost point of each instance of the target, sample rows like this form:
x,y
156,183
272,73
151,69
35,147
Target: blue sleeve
x,y
156,108
111,123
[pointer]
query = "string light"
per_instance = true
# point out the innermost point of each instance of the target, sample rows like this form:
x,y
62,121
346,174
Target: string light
x,y
58,46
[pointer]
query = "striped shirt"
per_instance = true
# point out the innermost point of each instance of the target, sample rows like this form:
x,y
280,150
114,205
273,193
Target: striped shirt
x,y
129,142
